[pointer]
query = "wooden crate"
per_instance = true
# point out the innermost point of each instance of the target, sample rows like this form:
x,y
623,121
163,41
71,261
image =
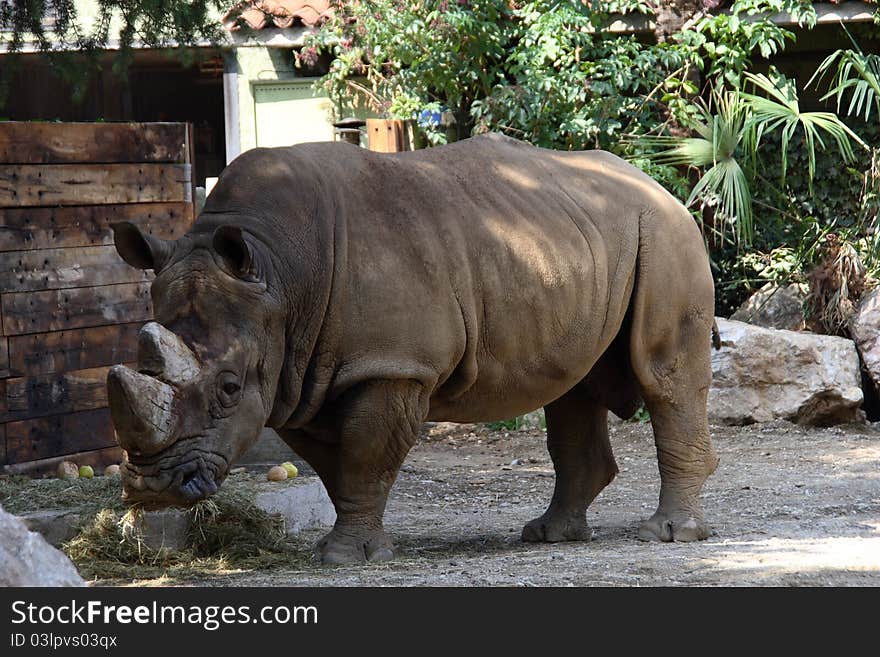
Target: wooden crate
x,y
69,306
388,136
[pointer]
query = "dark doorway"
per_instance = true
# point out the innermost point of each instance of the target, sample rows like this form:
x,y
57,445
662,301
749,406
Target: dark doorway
x,y
157,87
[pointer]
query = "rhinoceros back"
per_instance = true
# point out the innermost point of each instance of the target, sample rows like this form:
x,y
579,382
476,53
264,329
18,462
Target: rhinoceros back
x,y
506,268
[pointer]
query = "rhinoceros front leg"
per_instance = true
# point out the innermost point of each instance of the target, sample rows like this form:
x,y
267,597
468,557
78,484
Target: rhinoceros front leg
x,y
358,460
577,439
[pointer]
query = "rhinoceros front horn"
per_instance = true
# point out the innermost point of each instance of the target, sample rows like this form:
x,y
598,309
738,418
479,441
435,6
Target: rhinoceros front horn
x,y
141,408
142,402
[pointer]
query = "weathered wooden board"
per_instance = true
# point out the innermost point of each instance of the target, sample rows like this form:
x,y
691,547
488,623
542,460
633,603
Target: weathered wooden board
x,y
3,460
4,350
25,229
4,358
58,269
53,394
98,459
62,351
56,143
40,438
59,310
25,185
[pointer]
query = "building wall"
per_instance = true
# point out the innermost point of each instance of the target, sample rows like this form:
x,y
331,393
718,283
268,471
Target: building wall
x,y
268,76
276,104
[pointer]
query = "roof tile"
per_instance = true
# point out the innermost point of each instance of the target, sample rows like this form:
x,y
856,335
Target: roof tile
x,y
258,14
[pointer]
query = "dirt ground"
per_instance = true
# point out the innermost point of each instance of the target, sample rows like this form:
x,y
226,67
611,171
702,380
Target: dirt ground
x,y
790,506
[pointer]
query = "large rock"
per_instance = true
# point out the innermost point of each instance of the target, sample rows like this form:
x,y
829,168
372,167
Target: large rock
x,y
762,374
163,529
26,559
303,505
864,328
775,306
57,526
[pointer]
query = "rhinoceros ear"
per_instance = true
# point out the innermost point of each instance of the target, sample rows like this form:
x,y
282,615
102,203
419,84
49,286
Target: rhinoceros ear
x,y
238,253
139,250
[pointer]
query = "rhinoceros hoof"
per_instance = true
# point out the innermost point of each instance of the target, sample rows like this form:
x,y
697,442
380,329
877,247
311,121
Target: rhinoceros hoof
x,y
556,528
338,548
669,527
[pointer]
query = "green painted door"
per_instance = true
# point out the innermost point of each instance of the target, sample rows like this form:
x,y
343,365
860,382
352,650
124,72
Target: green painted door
x,y
290,113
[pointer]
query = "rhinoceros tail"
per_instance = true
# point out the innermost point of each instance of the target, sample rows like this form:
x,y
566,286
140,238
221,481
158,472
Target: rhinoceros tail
x,y
716,335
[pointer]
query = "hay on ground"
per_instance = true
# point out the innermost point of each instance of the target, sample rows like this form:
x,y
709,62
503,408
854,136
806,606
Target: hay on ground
x,y
227,532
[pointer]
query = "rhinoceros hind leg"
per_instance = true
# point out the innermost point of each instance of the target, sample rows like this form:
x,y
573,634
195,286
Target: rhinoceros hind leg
x,y
675,386
577,438
666,527
670,354
686,459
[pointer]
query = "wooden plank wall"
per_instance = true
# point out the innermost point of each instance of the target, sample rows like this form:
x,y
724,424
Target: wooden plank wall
x,y
69,306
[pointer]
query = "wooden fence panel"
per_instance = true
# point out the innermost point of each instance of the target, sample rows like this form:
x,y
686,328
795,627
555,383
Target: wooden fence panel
x,y
70,143
24,185
26,229
386,135
69,306
4,358
53,394
40,438
58,269
78,349
59,310
98,459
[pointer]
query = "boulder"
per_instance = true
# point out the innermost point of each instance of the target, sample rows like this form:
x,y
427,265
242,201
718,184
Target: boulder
x,y
775,306
162,529
304,504
57,526
864,327
26,559
762,374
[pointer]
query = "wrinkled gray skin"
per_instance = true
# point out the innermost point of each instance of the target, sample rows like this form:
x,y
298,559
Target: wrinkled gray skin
x,y
344,298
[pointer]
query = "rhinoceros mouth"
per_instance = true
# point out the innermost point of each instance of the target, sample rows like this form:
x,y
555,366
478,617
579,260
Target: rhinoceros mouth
x,y
180,478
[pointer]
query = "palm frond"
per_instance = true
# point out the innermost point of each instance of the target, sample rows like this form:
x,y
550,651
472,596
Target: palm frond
x,y
780,108
723,185
852,71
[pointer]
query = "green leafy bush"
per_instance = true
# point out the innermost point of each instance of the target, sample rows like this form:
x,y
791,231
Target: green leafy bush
x,y
551,73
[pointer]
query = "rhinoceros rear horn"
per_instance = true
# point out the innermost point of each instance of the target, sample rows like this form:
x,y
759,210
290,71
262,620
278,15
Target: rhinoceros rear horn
x,y
164,355
140,250
238,253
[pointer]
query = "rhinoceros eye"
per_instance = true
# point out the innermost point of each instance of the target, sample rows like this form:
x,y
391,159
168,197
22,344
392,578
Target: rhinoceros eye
x,y
228,389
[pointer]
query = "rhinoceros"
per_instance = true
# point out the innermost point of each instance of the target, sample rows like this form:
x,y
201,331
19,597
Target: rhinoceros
x,y
344,298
